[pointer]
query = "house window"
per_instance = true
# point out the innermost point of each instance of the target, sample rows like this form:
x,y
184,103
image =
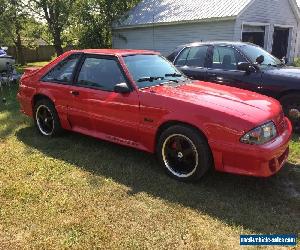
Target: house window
x,y
254,34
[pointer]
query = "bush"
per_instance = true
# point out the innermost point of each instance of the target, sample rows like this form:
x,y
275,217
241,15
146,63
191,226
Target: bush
x,y
297,62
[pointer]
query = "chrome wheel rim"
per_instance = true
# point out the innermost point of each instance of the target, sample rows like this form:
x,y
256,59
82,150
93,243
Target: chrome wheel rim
x,y
180,155
44,120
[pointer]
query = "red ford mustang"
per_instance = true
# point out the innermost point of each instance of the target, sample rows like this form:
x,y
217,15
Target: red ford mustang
x,y
138,99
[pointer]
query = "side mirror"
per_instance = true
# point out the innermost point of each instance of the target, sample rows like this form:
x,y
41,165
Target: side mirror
x,y
284,60
247,67
260,59
122,88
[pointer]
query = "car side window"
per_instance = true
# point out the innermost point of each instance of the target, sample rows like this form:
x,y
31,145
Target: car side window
x,y
226,58
181,59
100,73
197,56
63,72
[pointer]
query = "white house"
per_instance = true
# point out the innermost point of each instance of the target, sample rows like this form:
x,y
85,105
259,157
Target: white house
x,y
298,37
162,25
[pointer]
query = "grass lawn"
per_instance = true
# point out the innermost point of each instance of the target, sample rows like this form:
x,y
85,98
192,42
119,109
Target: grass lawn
x,y
79,192
20,69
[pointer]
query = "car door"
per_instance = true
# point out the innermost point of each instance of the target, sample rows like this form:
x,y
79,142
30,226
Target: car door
x,y
192,61
223,69
57,84
99,111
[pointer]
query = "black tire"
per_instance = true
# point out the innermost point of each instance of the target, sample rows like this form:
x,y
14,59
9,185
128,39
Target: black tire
x,y
290,102
173,160
46,106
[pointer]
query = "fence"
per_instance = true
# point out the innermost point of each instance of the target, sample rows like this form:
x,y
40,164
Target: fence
x,y
41,53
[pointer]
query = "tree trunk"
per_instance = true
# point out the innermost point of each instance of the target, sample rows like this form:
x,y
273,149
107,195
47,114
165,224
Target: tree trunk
x,y
19,48
57,42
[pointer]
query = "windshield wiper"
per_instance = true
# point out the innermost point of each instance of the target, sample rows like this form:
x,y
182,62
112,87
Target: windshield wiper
x,y
154,78
150,78
173,75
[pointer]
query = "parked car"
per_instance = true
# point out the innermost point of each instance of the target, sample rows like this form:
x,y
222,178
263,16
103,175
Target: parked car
x,y
245,66
6,62
139,99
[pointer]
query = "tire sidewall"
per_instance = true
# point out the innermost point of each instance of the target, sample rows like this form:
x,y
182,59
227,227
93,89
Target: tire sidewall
x,y
202,147
56,123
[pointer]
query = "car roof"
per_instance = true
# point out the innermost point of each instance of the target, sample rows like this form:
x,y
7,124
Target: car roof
x,y
215,43
117,52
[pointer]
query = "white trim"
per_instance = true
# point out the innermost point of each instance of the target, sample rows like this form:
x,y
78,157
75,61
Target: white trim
x,y
295,9
150,25
255,24
284,26
245,9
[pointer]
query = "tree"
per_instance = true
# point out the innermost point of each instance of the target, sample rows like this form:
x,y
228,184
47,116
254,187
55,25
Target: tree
x,y
56,13
12,24
96,17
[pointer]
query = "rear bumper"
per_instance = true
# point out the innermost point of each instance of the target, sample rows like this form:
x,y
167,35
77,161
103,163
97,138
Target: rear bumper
x,y
253,160
25,104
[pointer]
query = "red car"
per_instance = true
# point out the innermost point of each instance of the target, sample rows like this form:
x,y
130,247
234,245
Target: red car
x,y
139,99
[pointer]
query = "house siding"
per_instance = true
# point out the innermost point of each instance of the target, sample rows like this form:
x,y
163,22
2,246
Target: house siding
x,y
274,12
167,37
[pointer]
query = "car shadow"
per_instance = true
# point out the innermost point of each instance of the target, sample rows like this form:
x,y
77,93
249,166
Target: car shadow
x,y
260,205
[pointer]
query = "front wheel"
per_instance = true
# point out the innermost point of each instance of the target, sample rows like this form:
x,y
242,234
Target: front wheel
x,y
184,153
291,108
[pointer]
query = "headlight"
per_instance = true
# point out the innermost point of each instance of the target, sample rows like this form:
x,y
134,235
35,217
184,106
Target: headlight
x,y
261,134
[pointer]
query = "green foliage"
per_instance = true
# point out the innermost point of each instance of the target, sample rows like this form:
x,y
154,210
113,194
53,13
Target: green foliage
x,y
85,23
13,25
95,19
11,19
56,13
297,62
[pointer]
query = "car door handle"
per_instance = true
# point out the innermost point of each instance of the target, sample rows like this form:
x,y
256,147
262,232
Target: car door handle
x,y
212,75
74,92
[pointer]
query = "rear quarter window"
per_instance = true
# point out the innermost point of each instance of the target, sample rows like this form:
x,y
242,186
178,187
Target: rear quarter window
x,y
63,71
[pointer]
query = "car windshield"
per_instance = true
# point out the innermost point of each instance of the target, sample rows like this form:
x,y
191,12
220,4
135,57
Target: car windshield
x,y
253,52
151,70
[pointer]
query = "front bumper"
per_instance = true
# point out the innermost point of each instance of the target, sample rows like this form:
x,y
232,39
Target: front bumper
x,y
253,160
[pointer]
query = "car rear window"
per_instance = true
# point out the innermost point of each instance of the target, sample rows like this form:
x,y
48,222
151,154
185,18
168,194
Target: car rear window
x,y
194,57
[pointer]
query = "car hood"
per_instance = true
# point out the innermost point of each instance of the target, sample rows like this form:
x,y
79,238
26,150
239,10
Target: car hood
x,y
290,72
241,102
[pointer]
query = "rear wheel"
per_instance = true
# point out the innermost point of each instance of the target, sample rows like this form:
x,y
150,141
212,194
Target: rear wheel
x,y
291,107
184,153
46,118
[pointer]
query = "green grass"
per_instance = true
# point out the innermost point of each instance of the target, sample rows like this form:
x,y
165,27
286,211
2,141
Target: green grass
x,y
20,69
79,192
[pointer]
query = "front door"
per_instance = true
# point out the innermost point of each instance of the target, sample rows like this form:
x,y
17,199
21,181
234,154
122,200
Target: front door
x,y
192,61
223,69
96,109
